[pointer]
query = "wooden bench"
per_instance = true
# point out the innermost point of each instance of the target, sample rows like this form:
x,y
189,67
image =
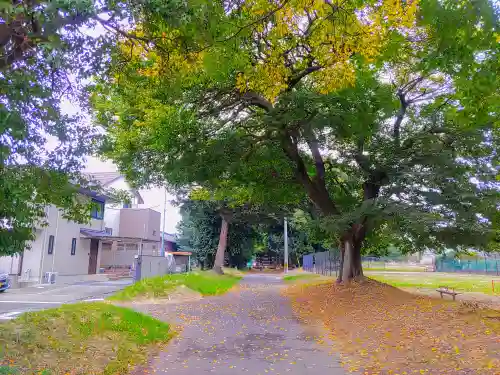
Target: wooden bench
x,y
446,290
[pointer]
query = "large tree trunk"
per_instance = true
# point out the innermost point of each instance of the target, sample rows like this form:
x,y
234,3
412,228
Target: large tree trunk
x,y
341,265
351,243
221,249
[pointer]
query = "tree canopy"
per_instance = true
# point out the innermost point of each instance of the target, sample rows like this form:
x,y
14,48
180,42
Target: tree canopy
x,y
41,147
199,231
384,114
48,50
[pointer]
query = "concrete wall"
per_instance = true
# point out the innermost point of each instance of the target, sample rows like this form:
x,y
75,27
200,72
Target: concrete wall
x,y
155,266
122,255
115,254
140,223
10,264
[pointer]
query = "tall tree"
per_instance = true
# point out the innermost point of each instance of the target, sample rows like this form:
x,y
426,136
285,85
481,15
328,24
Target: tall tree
x,y
41,147
236,212
200,232
377,111
47,51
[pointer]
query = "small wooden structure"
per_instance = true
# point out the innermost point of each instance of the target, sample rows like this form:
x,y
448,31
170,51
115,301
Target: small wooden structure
x,y
446,290
182,260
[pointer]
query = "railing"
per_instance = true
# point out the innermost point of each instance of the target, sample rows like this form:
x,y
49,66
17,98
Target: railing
x,y
326,263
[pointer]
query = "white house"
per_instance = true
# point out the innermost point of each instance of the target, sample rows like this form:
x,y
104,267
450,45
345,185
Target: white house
x,y
59,246
113,236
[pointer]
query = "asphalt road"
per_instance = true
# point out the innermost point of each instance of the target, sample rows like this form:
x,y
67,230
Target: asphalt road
x,y
250,330
14,302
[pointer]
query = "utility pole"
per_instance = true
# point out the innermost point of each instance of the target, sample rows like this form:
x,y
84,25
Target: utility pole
x,y
162,252
286,246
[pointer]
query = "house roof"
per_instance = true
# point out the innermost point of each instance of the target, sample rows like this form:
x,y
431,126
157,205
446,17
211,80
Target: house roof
x,y
169,237
105,178
104,236
186,253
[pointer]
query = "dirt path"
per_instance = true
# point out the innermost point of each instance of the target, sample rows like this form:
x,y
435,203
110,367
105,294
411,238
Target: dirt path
x,y
250,330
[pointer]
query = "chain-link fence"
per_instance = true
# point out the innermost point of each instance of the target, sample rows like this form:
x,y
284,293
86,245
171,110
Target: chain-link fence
x,y
477,265
325,263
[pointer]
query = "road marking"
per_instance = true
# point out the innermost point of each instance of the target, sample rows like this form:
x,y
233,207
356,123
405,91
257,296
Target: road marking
x,y
35,302
10,315
93,299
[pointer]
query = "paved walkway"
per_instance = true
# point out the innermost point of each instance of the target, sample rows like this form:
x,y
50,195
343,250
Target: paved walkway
x,y
251,330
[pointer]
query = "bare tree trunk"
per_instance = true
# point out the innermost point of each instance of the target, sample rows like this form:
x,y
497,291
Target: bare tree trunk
x,y
221,249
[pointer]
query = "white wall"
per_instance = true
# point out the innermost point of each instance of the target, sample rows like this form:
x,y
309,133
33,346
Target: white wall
x,y
60,260
32,257
121,184
9,264
112,217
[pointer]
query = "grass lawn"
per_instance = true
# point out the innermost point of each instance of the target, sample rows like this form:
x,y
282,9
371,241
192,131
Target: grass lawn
x,y
432,280
381,330
82,338
302,276
394,267
206,283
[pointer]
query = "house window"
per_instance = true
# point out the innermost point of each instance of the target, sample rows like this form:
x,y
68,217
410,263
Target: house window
x,y
109,231
106,246
50,250
131,247
154,233
73,246
97,210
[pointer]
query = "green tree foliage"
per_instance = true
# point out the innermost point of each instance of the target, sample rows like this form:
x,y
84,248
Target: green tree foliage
x,y
394,137
298,243
39,47
47,51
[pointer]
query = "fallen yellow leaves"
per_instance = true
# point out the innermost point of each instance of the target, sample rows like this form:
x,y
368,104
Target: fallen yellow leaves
x,y
386,331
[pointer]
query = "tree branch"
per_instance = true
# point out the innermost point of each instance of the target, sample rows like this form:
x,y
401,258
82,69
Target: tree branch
x,y
258,100
317,192
399,118
293,80
362,160
313,144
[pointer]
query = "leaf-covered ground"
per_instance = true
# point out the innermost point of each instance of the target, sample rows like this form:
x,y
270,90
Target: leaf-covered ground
x,y
382,330
251,330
